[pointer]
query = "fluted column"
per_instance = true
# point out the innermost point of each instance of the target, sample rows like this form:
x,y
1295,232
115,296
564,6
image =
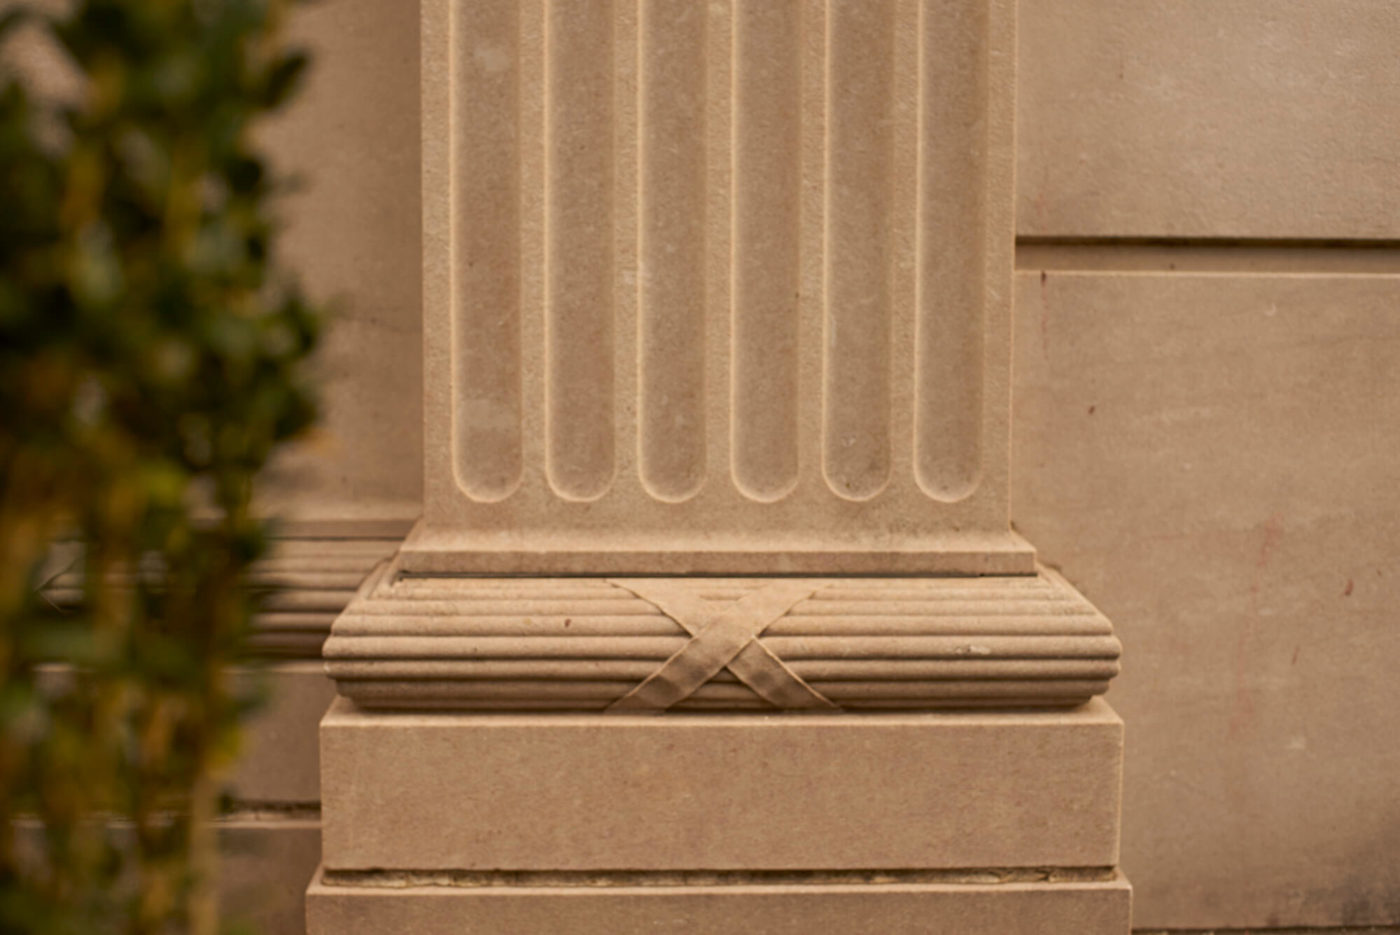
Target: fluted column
x,y
716,302
718,287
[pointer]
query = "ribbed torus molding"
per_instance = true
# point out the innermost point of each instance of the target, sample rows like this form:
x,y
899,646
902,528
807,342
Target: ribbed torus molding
x,y
717,285
707,644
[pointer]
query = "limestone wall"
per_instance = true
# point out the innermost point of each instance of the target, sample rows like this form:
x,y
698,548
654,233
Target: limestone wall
x,y
1207,432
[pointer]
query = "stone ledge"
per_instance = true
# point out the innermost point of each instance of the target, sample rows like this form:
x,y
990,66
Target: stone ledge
x,y
673,551
1095,908
312,579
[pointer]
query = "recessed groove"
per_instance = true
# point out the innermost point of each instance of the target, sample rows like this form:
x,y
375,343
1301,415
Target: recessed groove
x,y
378,646
429,583
981,876
951,264
306,600
1044,609
797,624
513,593
1166,255
384,648
765,258
860,186
579,248
672,239
813,670
921,594
487,430
939,647
574,626
295,621
471,607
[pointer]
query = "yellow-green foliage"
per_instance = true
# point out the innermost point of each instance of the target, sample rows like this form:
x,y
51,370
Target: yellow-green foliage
x,y
152,356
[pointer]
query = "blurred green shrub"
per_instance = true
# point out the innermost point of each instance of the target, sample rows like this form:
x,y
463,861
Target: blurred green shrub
x,y
152,357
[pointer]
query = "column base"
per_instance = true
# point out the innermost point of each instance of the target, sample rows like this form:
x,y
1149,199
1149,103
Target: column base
x,y
969,822
482,771
456,643
381,903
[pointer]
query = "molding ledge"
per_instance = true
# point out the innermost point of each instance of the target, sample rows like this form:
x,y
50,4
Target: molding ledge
x,y
310,581
410,642
1089,908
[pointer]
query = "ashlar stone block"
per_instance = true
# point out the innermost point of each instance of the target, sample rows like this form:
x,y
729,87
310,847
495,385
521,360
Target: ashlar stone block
x,y
720,792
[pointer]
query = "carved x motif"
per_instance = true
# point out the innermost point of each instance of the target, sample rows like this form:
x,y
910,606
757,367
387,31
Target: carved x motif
x,y
724,634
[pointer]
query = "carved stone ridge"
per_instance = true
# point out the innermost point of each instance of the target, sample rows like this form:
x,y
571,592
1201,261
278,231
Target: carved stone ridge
x,y
719,644
310,580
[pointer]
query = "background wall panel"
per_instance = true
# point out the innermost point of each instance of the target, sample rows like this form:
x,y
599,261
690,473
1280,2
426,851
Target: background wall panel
x,y
1209,118
1212,459
352,231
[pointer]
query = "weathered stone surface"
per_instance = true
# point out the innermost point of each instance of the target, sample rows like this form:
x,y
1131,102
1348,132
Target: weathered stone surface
x,y
1209,118
1212,459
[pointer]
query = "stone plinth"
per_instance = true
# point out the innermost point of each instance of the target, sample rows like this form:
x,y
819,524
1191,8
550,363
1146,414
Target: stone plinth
x,y
988,822
720,793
